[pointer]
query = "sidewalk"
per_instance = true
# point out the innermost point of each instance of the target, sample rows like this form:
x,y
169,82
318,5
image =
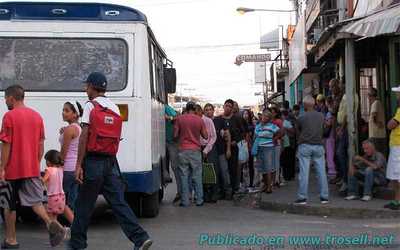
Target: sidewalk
x,y
281,200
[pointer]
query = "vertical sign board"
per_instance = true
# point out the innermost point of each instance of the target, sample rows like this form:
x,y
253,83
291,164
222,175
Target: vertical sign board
x,y
260,72
297,51
312,12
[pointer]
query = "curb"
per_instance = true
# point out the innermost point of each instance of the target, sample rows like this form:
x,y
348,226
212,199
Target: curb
x,y
335,212
254,201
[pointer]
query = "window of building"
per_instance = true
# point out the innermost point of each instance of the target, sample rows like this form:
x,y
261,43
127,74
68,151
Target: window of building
x,y
368,79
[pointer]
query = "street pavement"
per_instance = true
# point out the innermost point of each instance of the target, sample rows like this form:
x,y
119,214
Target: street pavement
x,y
179,228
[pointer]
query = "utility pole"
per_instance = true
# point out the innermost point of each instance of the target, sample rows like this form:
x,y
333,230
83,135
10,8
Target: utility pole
x,y
351,95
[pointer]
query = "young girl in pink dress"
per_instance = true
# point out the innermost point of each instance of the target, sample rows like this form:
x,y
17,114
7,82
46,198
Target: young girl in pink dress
x,y
53,179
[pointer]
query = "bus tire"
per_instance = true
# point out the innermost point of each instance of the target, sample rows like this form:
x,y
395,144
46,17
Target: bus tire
x,y
150,205
134,201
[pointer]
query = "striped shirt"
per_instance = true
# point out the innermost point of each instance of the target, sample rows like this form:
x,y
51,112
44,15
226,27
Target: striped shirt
x,y
265,134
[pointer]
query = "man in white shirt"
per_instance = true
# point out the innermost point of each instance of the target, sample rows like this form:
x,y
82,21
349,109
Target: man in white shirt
x,y
376,123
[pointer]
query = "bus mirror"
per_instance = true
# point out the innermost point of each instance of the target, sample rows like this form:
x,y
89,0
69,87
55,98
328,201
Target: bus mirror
x,y
170,80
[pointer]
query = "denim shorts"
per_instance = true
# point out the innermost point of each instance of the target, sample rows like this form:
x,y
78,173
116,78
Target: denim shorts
x,y
266,160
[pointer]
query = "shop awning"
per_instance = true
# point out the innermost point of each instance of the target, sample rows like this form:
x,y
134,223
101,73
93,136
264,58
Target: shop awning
x,y
382,22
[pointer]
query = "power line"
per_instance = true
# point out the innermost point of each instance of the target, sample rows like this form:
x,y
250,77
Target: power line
x,y
217,46
171,3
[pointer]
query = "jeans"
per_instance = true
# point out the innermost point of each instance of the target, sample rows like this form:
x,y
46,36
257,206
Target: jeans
x,y
101,175
368,175
266,160
70,188
316,153
172,149
190,164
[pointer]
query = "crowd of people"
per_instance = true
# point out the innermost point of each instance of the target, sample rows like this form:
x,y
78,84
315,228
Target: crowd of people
x,y
86,158
262,152
245,150
213,156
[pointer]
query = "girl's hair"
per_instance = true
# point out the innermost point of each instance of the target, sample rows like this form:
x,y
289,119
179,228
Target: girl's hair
x,y
73,107
209,105
250,115
54,157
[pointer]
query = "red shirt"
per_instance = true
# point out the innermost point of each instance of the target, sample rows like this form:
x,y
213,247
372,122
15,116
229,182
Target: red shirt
x,y
189,127
22,128
278,122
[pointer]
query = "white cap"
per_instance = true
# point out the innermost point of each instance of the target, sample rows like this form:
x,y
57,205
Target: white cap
x,y
396,89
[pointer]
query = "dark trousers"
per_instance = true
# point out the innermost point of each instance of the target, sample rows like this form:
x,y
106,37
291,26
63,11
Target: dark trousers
x,y
211,191
101,175
70,188
288,162
342,162
234,168
251,169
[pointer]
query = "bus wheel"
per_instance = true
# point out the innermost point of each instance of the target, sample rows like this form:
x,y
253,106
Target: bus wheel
x,y
134,201
150,205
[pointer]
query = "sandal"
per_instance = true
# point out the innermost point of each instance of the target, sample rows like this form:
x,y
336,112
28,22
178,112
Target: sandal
x,y
6,245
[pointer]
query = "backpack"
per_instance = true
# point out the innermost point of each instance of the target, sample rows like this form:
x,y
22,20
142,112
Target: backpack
x,y
104,130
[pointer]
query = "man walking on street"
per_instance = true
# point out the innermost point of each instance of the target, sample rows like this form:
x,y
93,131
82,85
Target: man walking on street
x,y
311,128
188,128
22,136
97,168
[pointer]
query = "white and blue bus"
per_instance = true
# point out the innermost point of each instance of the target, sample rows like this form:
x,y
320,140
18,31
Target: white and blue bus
x,y
50,48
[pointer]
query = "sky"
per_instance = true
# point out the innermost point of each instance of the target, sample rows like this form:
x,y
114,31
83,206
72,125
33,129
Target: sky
x,y
203,38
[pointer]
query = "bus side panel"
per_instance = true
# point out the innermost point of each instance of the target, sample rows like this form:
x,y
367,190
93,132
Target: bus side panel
x,y
148,180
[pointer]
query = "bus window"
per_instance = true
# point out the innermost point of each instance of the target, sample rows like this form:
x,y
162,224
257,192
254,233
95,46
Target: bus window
x,y
55,64
161,89
154,78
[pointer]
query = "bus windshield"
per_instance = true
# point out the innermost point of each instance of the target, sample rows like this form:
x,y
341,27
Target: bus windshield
x,y
61,65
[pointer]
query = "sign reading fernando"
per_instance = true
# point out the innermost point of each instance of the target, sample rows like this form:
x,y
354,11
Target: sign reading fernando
x,y
252,58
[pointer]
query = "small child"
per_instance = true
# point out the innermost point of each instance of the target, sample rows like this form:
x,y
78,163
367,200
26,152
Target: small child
x,y
53,179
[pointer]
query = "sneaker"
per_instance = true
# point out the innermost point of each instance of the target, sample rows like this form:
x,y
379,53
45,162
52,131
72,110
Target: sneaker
x,y
393,206
300,202
366,198
351,198
343,188
56,233
145,246
324,201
